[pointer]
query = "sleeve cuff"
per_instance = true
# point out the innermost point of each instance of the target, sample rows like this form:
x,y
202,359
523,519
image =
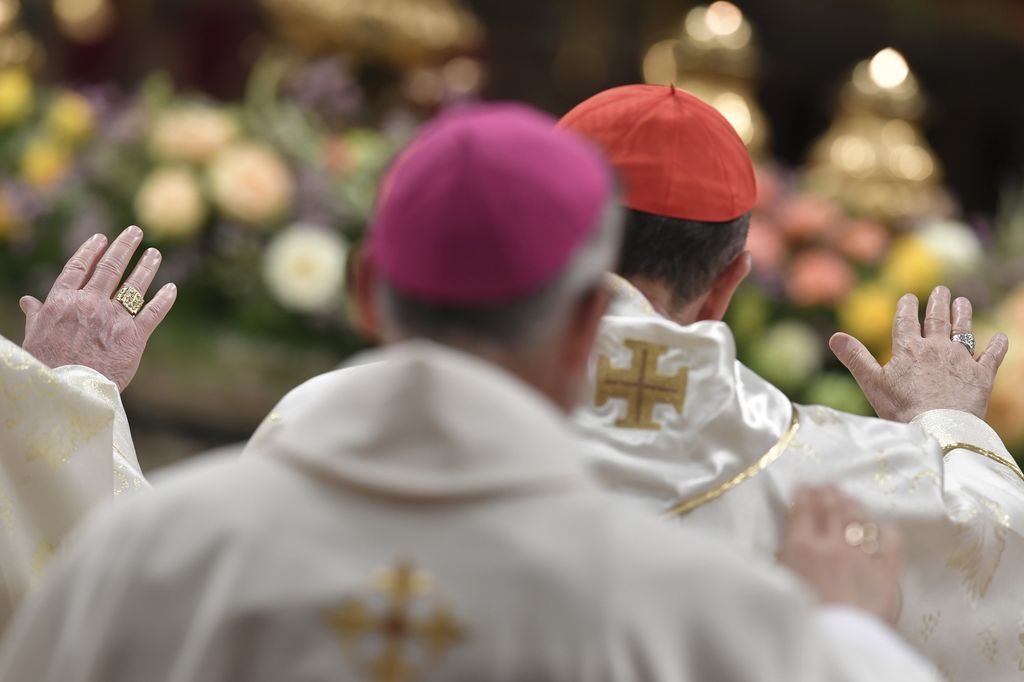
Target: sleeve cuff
x,y
957,430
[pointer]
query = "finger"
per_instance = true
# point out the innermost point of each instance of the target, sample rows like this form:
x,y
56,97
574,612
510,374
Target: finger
x,y
936,316
78,268
150,317
963,314
994,353
905,324
29,305
144,273
110,269
856,358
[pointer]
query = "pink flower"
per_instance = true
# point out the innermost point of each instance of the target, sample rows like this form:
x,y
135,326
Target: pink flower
x,y
770,187
766,245
819,277
807,217
865,241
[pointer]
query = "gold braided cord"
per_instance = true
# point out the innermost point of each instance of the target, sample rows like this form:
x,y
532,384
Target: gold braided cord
x,y
689,505
946,449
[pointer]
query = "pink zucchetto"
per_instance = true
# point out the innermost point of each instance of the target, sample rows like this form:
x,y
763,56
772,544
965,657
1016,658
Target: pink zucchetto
x,y
488,204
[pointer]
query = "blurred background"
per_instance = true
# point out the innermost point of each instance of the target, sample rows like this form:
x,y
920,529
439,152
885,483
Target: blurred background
x,y
247,137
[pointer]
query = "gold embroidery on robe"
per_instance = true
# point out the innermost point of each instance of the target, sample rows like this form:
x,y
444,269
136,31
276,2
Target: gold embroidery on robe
x,y
929,622
640,385
784,442
399,628
980,539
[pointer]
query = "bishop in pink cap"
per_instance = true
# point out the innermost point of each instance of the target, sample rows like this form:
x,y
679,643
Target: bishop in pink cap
x,y
488,204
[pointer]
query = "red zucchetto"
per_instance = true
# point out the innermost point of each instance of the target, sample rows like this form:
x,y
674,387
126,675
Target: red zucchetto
x,y
677,156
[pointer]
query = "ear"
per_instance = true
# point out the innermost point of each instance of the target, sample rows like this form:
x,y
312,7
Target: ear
x,y
363,296
583,328
720,295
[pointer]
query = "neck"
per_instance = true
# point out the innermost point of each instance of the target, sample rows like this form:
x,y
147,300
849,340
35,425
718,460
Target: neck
x,y
665,303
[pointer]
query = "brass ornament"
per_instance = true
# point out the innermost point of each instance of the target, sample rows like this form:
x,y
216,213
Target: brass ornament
x,y
405,33
874,157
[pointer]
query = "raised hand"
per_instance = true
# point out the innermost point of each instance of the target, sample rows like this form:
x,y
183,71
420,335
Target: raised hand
x,y
81,323
843,557
927,371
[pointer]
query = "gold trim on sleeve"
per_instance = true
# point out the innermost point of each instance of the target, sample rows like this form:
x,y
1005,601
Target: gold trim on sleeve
x,y
946,449
784,442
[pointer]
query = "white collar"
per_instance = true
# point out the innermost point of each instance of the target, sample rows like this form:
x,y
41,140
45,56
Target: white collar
x,y
422,420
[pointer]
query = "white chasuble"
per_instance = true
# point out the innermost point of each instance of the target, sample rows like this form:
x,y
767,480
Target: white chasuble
x,y
64,447
421,516
671,420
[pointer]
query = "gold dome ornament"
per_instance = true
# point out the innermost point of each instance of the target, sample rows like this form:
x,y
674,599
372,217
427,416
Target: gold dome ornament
x,y
84,21
874,158
716,59
404,33
17,46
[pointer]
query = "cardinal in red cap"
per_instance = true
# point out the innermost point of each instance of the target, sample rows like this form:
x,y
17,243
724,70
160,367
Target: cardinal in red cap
x,y
672,419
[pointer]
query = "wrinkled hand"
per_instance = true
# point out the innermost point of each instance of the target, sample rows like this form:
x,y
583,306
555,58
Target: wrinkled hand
x,y
81,324
814,546
926,372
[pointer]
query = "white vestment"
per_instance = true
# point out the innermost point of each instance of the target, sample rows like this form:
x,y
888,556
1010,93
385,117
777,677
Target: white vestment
x,y
421,516
673,421
64,447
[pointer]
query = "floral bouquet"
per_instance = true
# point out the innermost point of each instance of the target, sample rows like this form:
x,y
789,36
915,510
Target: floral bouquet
x,y
253,203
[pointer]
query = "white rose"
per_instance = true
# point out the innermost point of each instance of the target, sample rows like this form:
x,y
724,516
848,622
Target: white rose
x,y
304,268
170,204
954,243
193,134
252,184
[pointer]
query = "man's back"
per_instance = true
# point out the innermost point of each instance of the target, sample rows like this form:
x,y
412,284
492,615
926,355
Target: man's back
x,y
729,458
328,557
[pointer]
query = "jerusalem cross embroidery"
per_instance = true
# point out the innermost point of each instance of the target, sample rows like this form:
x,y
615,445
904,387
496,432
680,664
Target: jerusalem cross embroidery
x,y
399,627
640,385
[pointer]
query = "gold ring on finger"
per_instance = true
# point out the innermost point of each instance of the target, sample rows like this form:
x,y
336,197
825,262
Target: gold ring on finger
x,y
864,536
131,298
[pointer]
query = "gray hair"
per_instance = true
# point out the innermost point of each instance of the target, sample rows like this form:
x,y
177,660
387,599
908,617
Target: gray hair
x,y
516,325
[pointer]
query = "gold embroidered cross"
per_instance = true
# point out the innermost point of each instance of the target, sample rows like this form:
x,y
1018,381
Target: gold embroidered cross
x,y
640,385
386,644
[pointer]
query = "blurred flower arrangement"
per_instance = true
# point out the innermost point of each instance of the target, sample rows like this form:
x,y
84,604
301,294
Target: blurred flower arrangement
x,y
817,269
253,203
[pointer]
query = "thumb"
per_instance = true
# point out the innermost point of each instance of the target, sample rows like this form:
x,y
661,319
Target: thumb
x,y
29,305
855,357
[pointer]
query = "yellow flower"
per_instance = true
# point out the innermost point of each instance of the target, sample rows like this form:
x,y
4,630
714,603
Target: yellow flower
x,y
15,96
44,163
71,117
8,219
867,315
170,204
913,267
252,184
